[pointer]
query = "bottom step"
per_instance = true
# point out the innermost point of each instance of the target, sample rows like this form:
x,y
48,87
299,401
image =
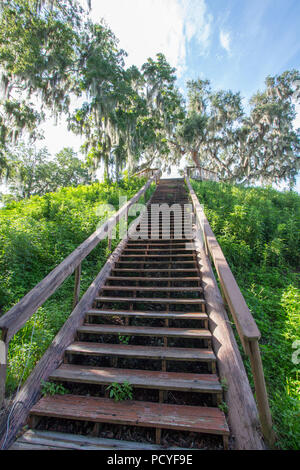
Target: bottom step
x,y
46,440
135,413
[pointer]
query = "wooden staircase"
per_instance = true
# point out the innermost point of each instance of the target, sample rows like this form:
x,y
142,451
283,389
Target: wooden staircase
x,y
148,326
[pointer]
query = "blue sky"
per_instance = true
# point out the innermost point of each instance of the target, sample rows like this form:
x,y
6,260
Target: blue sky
x,y
248,40
233,43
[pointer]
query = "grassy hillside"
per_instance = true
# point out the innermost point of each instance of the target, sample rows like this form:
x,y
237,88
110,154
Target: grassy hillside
x,y
35,236
259,232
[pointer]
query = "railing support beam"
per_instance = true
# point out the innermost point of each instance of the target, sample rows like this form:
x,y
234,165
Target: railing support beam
x,y
261,393
3,368
77,286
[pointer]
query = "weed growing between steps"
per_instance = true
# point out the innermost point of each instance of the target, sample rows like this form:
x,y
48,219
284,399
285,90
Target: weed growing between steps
x,y
259,232
36,235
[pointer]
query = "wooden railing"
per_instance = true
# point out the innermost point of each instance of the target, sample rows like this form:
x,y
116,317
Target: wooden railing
x,y
147,173
12,321
201,174
245,324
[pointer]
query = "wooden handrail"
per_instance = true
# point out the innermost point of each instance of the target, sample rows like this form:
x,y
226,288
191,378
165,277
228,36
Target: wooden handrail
x,y
12,321
203,172
146,170
245,324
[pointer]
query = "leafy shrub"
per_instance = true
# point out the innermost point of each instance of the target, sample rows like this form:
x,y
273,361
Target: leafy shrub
x,y
120,392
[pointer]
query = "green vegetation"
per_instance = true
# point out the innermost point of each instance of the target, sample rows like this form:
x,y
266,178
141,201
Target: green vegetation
x,y
124,339
223,407
259,232
36,234
120,392
31,172
51,388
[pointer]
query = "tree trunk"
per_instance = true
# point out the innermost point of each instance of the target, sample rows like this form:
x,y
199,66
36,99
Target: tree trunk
x,y
196,159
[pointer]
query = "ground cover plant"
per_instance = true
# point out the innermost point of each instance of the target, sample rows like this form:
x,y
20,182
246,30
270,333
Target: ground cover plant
x,y
259,232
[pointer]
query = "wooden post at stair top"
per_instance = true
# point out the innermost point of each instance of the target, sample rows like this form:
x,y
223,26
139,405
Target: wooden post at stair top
x,y
261,393
77,286
3,366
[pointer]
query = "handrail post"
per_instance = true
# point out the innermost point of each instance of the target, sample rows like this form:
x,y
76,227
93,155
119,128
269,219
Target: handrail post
x,y
261,393
3,369
77,286
109,241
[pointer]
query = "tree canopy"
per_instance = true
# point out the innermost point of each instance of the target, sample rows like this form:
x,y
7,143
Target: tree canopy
x,y
52,55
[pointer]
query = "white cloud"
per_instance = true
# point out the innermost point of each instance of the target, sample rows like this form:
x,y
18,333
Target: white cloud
x,y
197,23
225,40
146,27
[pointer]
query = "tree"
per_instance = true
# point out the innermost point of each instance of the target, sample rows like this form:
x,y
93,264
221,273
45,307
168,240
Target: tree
x,y
270,145
40,59
32,172
218,135
71,171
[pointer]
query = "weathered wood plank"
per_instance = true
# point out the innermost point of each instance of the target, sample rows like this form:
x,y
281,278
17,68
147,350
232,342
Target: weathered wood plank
x,y
135,413
151,289
153,300
144,331
151,314
46,440
149,379
141,352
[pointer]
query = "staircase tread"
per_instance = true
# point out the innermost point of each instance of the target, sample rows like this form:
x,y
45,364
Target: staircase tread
x,y
137,413
41,440
133,255
152,279
205,383
150,314
149,270
153,352
172,300
145,330
154,288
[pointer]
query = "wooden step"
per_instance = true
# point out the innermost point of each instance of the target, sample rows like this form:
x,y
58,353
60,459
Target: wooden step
x,y
153,250
145,331
207,420
153,300
171,245
151,289
162,242
151,314
147,256
153,279
141,352
148,270
34,439
154,262
148,379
